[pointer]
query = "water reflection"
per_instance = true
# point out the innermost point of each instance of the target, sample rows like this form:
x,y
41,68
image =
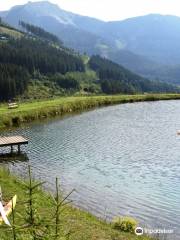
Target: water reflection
x,y
6,158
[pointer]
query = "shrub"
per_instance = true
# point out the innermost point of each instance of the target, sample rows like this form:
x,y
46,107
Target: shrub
x,y
126,224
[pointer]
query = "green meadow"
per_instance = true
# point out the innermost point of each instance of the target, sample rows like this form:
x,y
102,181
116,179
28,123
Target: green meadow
x,y
37,110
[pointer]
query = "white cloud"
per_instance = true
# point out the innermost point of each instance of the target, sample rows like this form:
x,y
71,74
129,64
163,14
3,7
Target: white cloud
x,y
111,9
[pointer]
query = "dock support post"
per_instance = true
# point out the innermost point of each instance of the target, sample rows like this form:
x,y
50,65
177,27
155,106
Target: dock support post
x,y
19,149
11,149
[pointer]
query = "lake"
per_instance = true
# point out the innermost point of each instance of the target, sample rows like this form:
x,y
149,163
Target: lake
x,y
122,160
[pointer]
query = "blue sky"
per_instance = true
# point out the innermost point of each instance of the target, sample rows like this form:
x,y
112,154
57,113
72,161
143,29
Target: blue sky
x,y
110,9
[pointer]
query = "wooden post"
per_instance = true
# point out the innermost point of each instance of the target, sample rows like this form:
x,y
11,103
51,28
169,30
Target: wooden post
x,y
19,149
11,148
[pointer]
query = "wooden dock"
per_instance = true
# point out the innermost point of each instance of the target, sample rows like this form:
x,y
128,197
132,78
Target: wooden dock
x,y
13,141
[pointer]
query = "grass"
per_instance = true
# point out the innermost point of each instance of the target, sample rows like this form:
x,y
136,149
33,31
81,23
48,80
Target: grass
x,y
30,111
82,225
10,32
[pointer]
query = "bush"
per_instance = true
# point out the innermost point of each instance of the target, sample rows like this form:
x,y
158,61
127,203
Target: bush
x,y
126,224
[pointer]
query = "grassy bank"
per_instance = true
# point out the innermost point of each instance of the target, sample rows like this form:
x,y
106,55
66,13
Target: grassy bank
x,y
28,112
81,225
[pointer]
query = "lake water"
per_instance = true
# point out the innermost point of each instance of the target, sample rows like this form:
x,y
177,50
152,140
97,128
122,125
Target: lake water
x,y
122,160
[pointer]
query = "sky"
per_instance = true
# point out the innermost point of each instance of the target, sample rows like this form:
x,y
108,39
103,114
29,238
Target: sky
x,y
110,10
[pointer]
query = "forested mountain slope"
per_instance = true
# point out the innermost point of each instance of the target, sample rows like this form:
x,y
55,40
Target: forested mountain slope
x,y
83,34
115,78
34,57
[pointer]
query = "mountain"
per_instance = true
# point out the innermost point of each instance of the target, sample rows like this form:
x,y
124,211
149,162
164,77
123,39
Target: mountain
x,y
55,20
154,36
148,45
3,14
157,37
27,58
115,78
78,32
35,63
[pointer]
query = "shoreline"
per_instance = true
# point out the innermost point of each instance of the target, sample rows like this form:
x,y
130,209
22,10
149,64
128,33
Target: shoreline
x,y
42,109
81,224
